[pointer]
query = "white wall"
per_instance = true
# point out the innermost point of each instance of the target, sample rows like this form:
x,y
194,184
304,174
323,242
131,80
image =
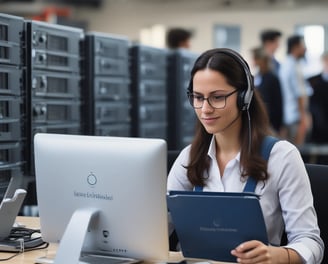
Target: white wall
x,y
127,17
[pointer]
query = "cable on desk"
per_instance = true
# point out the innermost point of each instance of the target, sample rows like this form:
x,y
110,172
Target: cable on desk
x,y
21,240
11,257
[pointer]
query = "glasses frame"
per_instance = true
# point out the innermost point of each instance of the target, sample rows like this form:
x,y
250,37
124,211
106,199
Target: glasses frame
x,y
191,95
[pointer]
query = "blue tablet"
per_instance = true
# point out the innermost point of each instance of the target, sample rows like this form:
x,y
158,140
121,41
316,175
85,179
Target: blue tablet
x,y
210,224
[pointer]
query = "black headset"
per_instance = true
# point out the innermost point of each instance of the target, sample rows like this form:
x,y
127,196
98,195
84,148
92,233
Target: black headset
x,y
244,96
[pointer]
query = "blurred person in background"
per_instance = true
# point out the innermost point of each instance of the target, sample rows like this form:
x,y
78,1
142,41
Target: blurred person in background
x,y
178,38
268,84
270,40
319,103
295,92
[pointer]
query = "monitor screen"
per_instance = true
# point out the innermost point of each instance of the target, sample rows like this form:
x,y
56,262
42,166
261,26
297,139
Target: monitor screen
x,y
113,189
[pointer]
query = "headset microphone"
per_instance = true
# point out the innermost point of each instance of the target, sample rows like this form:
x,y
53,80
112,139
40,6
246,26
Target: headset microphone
x,y
233,121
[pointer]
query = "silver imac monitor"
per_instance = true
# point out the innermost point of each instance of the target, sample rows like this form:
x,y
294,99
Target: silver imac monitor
x,y
100,194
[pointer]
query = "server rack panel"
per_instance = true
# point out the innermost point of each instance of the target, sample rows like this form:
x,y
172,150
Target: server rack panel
x,y
149,55
11,79
11,38
113,49
107,45
53,47
153,130
10,54
109,66
56,111
47,60
56,84
10,118
53,81
11,154
153,112
148,88
110,112
181,124
114,129
10,108
63,128
111,88
10,130
107,78
54,38
148,62
152,90
11,28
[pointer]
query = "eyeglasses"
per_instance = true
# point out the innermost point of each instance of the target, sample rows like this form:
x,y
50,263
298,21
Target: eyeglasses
x,y
215,101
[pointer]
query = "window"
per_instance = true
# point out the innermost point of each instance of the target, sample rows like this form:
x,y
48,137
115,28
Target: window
x,y
314,37
227,36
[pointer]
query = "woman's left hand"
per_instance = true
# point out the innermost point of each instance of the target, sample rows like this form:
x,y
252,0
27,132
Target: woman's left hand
x,y
256,252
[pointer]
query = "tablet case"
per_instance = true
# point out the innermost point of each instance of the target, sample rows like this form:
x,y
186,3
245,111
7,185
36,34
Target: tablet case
x,y
210,224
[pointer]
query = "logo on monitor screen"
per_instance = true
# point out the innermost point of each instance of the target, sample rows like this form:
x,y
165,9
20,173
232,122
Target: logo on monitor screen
x,y
92,179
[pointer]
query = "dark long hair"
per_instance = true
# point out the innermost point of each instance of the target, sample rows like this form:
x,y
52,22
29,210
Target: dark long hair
x,y
251,161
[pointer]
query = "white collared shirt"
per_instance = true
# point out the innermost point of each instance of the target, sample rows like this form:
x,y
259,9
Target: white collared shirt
x,y
286,197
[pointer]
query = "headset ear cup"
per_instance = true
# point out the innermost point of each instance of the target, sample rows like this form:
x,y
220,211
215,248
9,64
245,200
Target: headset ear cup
x,y
241,100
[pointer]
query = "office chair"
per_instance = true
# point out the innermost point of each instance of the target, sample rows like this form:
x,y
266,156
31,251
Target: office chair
x,y
318,175
171,157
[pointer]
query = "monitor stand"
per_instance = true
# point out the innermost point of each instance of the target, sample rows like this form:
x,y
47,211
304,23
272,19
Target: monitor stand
x,y
71,244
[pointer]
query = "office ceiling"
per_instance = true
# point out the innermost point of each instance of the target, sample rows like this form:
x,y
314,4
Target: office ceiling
x,y
243,4
21,7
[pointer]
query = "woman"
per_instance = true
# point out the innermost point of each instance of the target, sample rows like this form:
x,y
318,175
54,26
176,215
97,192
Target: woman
x,y
232,123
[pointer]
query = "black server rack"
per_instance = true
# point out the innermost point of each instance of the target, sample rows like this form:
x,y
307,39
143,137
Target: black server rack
x,y
54,77
107,90
181,122
148,88
12,70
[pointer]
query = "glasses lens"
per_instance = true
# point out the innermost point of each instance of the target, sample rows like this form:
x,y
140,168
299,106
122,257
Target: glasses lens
x,y
191,99
217,101
196,101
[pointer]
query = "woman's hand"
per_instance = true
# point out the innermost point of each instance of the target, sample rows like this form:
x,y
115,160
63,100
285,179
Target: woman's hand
x,y
256,252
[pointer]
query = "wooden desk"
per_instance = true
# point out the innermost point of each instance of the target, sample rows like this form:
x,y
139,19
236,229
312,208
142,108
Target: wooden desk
x,y
30,256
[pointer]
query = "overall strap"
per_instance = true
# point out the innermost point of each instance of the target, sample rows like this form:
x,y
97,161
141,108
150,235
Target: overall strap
x,y
198,188
266,147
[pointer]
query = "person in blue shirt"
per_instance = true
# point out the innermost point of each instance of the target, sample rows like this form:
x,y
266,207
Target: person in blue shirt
x,y
295,92
231,124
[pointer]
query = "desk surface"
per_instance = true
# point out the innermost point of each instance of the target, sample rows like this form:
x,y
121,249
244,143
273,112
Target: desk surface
x,y
31,256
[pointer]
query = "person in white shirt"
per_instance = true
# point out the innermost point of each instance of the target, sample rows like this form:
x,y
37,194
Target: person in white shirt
x,y
232,122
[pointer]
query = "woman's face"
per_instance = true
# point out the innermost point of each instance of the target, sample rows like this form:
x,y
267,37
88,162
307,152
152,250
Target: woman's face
x,y
208,83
